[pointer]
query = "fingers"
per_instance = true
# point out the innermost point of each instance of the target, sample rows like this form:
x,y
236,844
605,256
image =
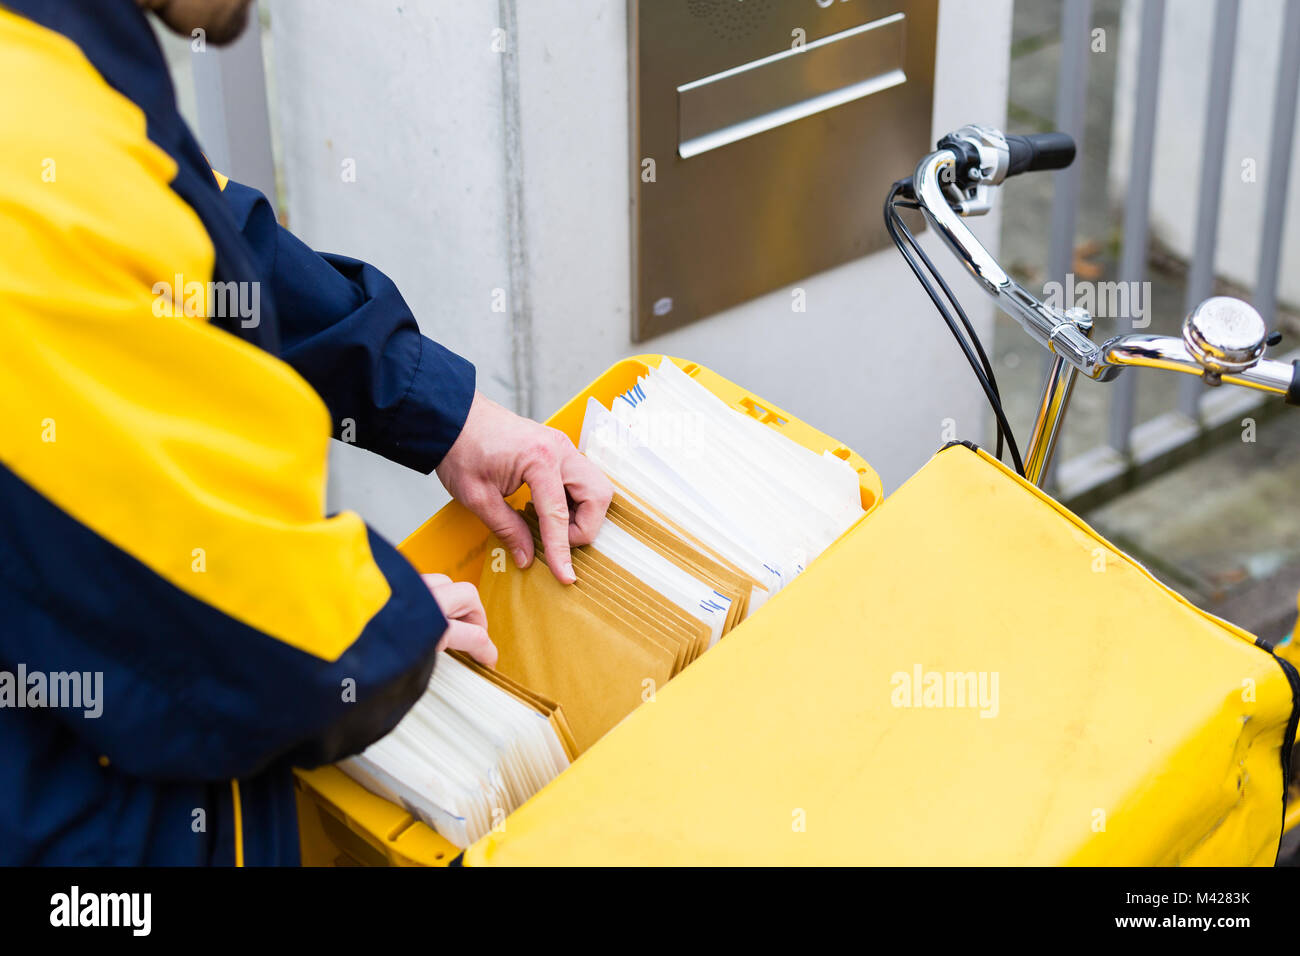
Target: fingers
x,y
547,486
466,620
505,522
592,491
472,639
459,601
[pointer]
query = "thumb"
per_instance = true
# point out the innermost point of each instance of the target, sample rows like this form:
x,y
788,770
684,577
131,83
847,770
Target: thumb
x,y
508,525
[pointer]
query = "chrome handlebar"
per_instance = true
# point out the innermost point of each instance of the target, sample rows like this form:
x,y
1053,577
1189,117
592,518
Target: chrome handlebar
x,y
1051,327
1223,339
1171,354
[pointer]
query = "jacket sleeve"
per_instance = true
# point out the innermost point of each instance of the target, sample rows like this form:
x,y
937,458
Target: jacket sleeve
x,y
162,482
347,330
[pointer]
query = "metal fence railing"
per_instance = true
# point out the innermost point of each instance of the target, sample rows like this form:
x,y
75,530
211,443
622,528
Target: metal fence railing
x,y
1134,450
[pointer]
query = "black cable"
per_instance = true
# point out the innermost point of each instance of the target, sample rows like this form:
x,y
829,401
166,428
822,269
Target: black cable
x,y
975,360
893,203
976,357
948,293
1003,428
952,299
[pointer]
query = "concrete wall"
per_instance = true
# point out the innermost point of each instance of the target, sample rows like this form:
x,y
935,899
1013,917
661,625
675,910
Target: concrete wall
x,y
1180,123
412,93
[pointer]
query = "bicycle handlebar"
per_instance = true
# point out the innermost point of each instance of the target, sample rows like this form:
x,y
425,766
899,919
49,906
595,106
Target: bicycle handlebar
x,y
1037,151
954,181
1171,354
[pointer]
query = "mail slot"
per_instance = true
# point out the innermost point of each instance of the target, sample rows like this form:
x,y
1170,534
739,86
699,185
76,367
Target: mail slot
x,y
764,134
790,85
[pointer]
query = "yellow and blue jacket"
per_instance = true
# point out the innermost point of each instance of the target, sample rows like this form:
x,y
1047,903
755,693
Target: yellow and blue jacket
x,y
162,472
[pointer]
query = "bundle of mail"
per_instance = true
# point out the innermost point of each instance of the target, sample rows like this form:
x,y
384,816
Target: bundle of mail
x,y
713,513
474,747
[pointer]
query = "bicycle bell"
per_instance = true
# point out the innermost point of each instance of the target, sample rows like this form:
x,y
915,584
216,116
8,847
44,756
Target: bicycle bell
x,y
1225,335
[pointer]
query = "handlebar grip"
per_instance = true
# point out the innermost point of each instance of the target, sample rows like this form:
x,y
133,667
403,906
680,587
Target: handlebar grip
x,y
1293,393
1039,151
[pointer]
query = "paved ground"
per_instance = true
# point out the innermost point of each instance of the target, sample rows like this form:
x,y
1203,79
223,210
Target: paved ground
x,y
1224,529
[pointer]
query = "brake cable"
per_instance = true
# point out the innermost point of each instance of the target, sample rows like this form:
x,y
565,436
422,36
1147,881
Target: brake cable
x,y
978,359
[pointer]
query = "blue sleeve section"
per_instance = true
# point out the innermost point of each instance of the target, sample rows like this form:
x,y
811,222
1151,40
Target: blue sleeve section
x,y
348,332
181,691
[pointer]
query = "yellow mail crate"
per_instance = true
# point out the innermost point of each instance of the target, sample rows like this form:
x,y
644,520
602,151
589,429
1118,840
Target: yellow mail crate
x,y
970,675
343,824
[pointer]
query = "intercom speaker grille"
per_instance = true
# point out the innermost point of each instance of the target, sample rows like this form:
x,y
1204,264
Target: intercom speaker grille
x,y
731,19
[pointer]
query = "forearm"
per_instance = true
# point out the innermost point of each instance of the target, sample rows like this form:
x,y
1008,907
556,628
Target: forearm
x,y
346,329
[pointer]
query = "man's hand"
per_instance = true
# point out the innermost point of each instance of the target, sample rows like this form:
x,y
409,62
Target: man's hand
x,y
498,451
466,620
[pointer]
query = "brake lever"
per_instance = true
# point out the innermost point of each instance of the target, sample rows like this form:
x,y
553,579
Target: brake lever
x,y
982,159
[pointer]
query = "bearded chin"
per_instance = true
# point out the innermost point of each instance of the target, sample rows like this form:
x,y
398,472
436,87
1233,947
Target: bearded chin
x,y
228,29
221,23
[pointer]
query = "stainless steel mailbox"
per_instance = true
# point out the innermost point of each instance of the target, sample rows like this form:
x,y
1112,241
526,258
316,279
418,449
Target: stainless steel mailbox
x,y
765,134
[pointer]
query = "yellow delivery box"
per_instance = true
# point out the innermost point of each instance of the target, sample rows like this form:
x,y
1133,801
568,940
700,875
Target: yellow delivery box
x,y
970,675
342,823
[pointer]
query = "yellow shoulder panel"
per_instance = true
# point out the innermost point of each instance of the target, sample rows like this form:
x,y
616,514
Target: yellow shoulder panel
x,y
196,453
